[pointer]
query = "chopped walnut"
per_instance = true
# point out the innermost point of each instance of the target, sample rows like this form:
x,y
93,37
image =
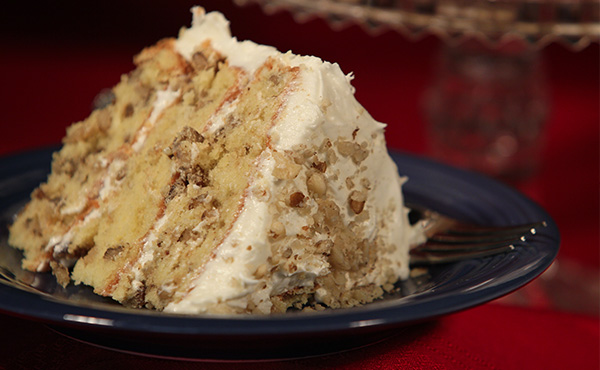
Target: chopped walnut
x,y
189,134
128,110
199,61
338,258
298,151
330,212
198,176
309,152
331,156
325,144
38,193
320,166
183,147
61,273
360,154
324,246
349,183
285,167
357,201
287,253
316,184
177,187
112,252
347,148
261,271
297,199
203,60
357,152
277,230
138,299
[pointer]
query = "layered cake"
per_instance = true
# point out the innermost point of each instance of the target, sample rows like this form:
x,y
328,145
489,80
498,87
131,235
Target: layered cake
x,y
223,177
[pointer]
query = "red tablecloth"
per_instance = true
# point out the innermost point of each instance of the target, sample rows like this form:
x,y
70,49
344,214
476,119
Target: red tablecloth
x,y
52,64
487,337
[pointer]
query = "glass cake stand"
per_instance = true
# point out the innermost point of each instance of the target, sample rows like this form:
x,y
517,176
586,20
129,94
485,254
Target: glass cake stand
x,y
488,103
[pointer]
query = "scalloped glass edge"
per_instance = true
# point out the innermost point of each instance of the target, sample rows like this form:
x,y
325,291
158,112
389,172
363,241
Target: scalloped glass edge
x,y
537,23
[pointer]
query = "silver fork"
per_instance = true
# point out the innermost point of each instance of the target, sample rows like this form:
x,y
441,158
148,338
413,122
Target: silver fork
x,y
450,240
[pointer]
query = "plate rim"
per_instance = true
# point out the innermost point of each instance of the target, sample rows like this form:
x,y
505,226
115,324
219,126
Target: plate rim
x,y
374,316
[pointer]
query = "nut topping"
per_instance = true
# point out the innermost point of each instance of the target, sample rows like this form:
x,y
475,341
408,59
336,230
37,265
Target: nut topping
x,y
320,166
277,230
285,167
112,252
297,199
316,184
357,201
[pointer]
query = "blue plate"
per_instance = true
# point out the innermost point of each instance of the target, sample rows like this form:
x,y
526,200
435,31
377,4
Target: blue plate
x,y
78,313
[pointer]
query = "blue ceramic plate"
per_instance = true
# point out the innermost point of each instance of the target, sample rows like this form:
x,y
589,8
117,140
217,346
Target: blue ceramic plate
x,y
78,313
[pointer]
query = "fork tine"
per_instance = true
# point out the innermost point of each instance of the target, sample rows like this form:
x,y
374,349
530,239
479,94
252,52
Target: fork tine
x,y
485,234
472,239
432,246
462,229
418,257
449,240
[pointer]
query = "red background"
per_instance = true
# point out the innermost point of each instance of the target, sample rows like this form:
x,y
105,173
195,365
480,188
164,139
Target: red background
x,y
55,58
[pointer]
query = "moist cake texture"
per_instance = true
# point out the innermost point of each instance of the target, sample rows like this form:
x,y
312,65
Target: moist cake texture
x,y
225,177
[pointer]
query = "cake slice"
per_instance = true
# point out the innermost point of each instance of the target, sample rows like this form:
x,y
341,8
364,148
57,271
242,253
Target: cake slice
x,y
224,177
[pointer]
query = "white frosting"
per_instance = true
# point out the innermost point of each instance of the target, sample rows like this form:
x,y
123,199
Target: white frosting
x,y
321,107
110,182
164,99
147,254
218,120
214,27
74,208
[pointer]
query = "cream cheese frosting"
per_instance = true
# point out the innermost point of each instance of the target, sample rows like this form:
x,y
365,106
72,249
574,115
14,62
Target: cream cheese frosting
x,y
322,107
